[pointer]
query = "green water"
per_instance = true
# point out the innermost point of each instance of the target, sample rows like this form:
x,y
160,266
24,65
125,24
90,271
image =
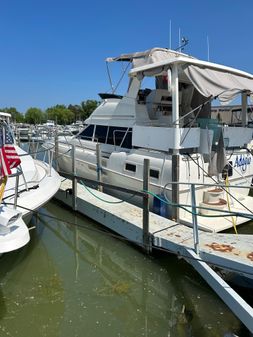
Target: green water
x,y
74,280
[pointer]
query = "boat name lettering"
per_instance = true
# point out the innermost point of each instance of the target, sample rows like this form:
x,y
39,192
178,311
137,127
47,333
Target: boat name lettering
x,y
242,162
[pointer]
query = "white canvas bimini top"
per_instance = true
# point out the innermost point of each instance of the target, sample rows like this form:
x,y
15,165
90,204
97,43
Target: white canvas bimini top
x,y
210,79
223,84
148,57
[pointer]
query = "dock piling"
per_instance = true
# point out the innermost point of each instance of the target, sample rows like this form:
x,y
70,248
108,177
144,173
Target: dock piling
x,y
145,214
175,187
74,180
99,166
56,149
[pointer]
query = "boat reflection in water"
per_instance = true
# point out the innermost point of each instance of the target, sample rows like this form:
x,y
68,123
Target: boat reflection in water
x,y
78,281
31,293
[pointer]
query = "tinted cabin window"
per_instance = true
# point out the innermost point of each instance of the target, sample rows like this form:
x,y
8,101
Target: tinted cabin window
x,y
101,133
87,133
130,167
120,136
116,135
127,143
154,174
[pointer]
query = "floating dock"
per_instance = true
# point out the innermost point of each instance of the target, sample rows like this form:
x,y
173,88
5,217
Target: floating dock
x,y
227,251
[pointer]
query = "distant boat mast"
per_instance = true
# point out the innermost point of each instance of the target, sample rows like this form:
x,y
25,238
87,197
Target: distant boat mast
x,y
207,42
170,34
179,39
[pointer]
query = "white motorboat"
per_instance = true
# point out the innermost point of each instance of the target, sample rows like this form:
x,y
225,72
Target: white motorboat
x,y
23,132
30,185
170,123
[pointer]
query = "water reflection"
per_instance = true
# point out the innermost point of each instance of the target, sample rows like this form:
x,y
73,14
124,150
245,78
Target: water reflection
x,y
32,292
74,281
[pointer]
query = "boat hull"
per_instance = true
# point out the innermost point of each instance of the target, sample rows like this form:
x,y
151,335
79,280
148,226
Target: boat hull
x,y
192,170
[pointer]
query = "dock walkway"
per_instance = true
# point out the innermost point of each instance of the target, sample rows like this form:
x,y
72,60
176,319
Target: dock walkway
x,y
228,251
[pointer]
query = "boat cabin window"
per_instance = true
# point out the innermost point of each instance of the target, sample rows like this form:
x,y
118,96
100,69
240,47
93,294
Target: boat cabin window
x,y
113,135
87,133
154,173
120,136
101,133
127,141
130,167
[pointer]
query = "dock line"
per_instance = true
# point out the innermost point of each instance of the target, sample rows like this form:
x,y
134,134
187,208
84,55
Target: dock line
x,y
164,229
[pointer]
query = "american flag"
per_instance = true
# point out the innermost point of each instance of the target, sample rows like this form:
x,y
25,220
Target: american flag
x,y
8,155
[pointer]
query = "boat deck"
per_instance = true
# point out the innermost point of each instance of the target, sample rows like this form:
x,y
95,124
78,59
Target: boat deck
x,y
226,222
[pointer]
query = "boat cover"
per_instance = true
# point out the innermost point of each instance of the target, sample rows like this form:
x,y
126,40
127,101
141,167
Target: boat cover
x,y
210,79
150,56
211,82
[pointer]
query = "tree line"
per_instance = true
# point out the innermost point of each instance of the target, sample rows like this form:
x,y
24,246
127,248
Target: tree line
x,y
60,113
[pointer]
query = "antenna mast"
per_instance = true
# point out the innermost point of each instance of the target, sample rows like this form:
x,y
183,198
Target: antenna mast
x,y
179,39
170,34
207,42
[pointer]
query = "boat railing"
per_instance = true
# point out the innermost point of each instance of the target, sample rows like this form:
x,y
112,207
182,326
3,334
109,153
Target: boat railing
x,y
34,150
95,140
80,145
19,172
16,175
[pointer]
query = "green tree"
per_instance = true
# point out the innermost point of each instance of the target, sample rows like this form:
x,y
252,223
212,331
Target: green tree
x,y
76,110
34,116
61,114
83,110
17,116
87,107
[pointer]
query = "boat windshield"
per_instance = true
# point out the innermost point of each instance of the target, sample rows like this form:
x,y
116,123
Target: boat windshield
x,y
112,135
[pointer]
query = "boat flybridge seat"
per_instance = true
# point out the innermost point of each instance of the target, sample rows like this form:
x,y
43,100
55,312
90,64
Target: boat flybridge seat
x,y
159,104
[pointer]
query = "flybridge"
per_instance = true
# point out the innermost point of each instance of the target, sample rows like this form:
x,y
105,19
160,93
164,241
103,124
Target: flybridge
x,y
210,79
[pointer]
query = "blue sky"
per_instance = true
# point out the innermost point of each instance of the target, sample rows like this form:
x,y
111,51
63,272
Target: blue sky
x,y
53,52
